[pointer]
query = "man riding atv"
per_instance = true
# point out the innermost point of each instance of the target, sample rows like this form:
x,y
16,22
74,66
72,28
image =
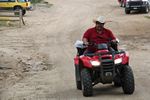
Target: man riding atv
x,y
98,34
98,60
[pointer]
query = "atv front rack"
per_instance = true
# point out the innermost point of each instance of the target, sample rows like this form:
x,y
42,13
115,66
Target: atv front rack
x,y
104,53
107,67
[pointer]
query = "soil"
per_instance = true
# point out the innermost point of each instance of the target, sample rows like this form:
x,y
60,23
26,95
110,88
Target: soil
x,y
36,60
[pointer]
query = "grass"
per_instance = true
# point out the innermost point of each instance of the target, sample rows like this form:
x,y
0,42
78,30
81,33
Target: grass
x,y
8,23
41,1
2,23
147,17
36,1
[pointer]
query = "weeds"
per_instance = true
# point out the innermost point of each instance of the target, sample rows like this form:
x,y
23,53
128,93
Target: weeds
x,y
36,1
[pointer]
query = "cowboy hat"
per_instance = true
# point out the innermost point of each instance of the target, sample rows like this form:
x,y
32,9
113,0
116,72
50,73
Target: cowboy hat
x,y
100,19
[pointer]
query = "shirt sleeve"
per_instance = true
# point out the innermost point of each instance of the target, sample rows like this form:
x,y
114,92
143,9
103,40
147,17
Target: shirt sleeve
x,y
86,34
111,35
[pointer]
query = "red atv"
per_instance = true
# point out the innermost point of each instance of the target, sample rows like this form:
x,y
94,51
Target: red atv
x,y
105,66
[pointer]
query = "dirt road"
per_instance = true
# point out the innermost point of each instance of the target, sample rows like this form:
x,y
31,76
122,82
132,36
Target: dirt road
x,y
37,59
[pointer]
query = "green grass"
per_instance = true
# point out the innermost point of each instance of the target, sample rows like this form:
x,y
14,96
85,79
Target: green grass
x,y
44,3
8,23
147,17
47,5
2,23
35,1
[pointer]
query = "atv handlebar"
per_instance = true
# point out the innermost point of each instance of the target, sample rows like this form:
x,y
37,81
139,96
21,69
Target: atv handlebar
x,y
98,54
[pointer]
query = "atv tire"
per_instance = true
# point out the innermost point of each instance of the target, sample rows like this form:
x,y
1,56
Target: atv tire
x,y
128,80
78,84
86,82
146,9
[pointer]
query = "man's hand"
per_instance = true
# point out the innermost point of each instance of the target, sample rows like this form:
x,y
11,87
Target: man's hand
x,y
85,42
115,41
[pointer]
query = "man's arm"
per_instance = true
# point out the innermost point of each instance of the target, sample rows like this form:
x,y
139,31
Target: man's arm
x,y
85,37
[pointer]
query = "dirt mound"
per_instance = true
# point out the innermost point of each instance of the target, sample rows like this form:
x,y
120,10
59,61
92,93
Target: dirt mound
x,y
136,42
14,65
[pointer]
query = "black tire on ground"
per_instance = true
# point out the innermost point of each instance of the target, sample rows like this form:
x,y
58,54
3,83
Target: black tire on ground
x,y
146,9
127,11
128,80
78,82
86,81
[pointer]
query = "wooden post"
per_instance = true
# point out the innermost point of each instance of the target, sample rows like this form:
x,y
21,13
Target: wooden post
x,y
23,20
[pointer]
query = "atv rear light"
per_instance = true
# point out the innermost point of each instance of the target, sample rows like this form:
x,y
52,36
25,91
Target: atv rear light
x,y
118,61
95,63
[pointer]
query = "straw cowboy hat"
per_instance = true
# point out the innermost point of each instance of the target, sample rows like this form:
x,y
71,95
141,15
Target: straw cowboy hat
x,y
100,19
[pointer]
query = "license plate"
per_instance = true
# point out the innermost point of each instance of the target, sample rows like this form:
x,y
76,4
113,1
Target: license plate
x,y
135,8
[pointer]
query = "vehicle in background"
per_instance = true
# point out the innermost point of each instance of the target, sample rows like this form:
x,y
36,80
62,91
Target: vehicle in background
x,y
22,5
140,5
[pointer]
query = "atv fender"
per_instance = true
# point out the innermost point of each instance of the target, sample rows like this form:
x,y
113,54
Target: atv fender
x,y
125,58
86,61
76,60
